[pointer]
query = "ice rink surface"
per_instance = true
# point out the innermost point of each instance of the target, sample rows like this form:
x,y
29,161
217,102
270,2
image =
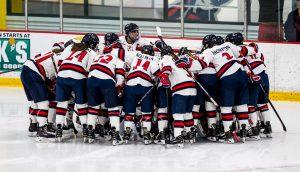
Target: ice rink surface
x,y
18,152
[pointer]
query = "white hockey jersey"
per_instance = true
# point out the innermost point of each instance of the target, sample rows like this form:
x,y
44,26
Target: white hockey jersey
x,y
256,62
132,47
108,66
143,69
225,58
45,65
76,63
181,81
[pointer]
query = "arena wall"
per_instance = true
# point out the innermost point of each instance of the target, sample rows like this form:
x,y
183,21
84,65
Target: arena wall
x,y
281,58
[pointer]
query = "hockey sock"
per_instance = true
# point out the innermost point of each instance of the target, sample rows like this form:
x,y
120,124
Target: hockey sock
x,y
264,110
162,119
242,115
32,111
211,112
253,116
42,112
146,120
188,121
196,114
128,120
51,113
93,112
227,117
114,117
178,124
61,111
103,116
82,112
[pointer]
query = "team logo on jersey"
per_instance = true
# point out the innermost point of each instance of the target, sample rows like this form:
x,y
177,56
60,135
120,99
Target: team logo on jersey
x,y
14,50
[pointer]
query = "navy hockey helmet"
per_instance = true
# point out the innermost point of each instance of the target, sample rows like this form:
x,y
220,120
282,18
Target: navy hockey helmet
x,y
148,49
219,40
91,40
183,51
230,38
209,41
110,38
130,27
239,38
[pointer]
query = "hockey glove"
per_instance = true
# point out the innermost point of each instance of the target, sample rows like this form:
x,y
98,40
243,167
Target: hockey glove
x,y
254,78
183,62
164,80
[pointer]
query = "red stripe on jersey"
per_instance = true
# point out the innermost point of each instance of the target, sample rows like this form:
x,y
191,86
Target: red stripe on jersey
x,y
227,116
43,113
120,71
189,123
166,69
139,74
156,72
121,54
73,67
244,51
225,67
40,68
34,111
183,85
255,64
102,69
162,116
178,124
242,115
44,57
203,64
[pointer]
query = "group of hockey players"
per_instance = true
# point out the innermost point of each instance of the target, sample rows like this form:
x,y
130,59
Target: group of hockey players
x,y
132,90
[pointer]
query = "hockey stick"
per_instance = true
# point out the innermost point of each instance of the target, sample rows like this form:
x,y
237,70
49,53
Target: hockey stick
x,y
266,96
10,70
158,30
146,94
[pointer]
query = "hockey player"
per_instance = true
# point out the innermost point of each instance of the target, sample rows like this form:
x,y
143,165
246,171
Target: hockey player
x,y
37,77
256,70
208,79
72,76
106,75
233,86
132,40
139,84
174,75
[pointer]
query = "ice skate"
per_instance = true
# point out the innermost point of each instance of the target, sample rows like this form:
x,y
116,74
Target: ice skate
x,y
160,138
44,135
85,133
212,133
91,134
146,136
127,134
268,129
59,132
253,134
116,137
192,135
32,129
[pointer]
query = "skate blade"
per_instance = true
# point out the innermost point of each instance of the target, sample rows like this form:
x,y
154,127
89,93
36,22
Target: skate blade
x,y
117,142
147,142
90,141
253,138
160,142
32,134
44,140
213,139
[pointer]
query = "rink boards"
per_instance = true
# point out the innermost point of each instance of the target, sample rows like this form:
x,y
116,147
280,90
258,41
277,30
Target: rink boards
x,y
281,58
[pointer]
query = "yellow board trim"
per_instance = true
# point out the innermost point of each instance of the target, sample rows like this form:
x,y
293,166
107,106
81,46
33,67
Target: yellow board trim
x,y
3,14
277,96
